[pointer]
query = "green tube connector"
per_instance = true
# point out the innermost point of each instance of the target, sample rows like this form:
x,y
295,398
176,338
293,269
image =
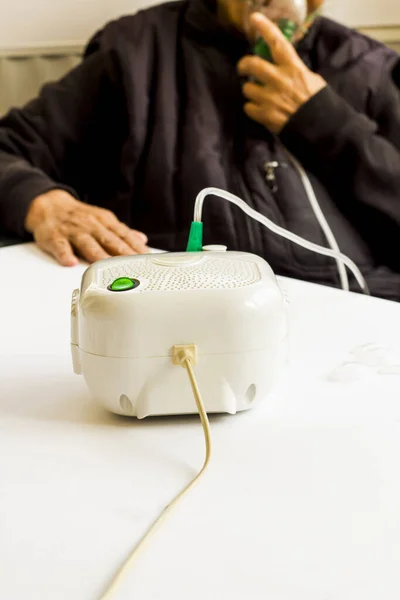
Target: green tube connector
x,y
195,242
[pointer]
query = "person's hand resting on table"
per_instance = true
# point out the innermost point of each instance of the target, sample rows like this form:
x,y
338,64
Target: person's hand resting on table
x,y
280,89
67,228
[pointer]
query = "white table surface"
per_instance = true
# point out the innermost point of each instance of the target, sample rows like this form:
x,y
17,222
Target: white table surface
x,y
302,500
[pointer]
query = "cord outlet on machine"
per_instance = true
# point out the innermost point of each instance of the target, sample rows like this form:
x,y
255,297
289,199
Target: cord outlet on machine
x,y
183,352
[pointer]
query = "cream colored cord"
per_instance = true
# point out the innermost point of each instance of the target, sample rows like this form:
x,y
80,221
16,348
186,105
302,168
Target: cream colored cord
x,y
184,356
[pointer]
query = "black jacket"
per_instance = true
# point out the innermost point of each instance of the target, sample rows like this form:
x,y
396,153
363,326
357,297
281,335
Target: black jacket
x,y
155,113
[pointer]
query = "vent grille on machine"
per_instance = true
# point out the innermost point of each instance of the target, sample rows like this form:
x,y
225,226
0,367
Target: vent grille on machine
x,y
211,273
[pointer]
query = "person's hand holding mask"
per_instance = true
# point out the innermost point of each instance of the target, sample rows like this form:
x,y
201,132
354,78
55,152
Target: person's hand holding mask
x,y
282,86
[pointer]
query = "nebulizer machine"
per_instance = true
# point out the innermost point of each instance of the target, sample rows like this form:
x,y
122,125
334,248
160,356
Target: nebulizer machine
x,y
202,331
135,318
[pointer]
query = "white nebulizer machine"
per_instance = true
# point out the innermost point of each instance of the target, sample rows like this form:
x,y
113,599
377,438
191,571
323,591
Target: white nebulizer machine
x,y
220,315
131,311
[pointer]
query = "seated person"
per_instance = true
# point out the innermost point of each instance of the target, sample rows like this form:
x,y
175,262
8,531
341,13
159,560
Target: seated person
x,y
170,101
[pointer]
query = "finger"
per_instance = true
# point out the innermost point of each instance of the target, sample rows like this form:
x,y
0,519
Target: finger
x,y
60,248
135,239
255,112
273,120
90,224
109,219
88,247
282,51
256,93
260,69
111,242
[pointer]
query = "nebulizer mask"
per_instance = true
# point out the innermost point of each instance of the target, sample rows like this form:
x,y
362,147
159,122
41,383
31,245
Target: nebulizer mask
x,y
289,15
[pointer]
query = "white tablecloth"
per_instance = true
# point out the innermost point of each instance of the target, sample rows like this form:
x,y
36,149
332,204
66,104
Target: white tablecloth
x,y
302,501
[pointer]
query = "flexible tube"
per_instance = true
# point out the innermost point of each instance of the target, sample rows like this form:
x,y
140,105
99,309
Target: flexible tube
x,y
296,239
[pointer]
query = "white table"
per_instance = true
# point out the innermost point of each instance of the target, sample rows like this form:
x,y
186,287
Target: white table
x,y
302,501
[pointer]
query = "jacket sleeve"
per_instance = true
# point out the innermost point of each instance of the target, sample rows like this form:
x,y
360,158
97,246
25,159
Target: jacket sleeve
x,y
42,145
356,157
396,74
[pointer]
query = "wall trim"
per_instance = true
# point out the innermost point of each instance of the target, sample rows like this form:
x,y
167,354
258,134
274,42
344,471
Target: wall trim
x,y
55,49
389,34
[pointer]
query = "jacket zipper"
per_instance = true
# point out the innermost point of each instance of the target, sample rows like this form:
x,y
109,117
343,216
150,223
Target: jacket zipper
x,y
270,174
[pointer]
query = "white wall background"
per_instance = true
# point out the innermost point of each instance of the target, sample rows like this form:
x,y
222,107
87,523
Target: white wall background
x,y
365,13
42,22
48,22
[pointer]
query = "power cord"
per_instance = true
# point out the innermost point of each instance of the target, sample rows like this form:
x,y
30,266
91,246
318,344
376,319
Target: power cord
x,y
186,357
195,236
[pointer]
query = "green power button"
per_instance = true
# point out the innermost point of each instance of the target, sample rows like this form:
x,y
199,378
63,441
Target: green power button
x,y
123,284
